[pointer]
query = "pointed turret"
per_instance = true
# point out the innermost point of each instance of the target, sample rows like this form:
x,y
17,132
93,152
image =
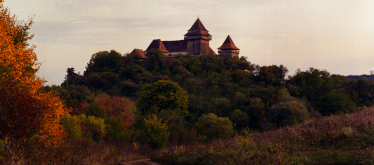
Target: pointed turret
x,y
228,48
198,31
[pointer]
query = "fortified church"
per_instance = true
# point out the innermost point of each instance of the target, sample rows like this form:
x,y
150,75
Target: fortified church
x,y
195,43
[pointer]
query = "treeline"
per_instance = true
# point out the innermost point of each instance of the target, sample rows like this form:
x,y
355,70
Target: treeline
x,y
250,96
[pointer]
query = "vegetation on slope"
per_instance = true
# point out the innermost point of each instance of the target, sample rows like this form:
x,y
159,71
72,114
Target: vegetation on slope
x,y
343,139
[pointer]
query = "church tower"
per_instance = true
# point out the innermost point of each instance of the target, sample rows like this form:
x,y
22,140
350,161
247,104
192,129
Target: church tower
x,y
228,48
197,39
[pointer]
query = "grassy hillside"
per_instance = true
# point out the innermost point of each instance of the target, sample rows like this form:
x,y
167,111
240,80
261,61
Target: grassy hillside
x,y
343,139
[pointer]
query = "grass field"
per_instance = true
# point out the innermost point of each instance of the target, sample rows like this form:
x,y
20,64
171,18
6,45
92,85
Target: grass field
x,y
343,139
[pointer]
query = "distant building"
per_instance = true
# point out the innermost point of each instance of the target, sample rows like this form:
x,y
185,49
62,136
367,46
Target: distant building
x,y
139,52
195,43
228,48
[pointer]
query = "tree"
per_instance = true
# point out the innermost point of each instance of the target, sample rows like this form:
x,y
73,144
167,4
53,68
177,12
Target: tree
x,y
272,75
212,126
104,61
156,60
165,95
240,118
288,112
116,106
155,132
336,102
25,109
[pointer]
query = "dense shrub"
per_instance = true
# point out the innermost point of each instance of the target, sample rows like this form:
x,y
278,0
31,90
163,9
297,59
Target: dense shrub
x,y
166,95
176,127
89,128
93,128
115,127
155,132
288,112
95,109
114,106
72,126
336,102
256,112
129,88
211,126
239,118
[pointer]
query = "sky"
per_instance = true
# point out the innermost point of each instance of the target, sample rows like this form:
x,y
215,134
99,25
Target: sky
x,y
332,35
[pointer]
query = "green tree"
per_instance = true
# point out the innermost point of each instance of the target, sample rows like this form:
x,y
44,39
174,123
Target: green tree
x,y
155,132
365,91
165,95
95,109
211,126
240,118
104,61
156,60
288,112
336,102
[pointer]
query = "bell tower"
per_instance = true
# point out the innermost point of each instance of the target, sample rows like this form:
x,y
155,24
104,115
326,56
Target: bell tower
x,y
197,39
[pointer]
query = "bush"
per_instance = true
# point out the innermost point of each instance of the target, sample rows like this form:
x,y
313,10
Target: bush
x,y
176,127
93,128
72,126
89,128
240,118
95,109
114,106
155,132
211,126
116,127
288,112
336,102
164,94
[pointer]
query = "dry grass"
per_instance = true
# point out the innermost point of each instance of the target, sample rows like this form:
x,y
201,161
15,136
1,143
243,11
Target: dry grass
x,y
344,139
70,152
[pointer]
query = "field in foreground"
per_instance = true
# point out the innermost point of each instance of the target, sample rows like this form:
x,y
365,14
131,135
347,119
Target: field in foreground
x,y
343,139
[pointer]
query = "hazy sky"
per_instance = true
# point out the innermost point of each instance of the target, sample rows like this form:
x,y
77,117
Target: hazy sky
x,y
336,35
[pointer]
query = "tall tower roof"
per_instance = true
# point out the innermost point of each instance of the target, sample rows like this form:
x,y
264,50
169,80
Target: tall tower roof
x,y
197,29
157,44
228,44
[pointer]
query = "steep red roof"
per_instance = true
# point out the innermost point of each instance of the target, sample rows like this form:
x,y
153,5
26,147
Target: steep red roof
x,y
228,44
197,29
176,46
210,51
157,44
139,52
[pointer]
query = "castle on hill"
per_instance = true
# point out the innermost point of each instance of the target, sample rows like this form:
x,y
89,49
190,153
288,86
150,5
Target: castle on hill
x,y
195,43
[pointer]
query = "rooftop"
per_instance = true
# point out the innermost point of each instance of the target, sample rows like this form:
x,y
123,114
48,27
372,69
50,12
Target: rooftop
x,y
228,44
197,29
157,44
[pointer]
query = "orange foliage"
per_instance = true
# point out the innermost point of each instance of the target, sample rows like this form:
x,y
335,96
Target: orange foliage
x,y
25,110
115,106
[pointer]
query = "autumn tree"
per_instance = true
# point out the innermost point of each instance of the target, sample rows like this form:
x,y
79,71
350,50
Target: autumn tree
x,y
116,106
25,110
